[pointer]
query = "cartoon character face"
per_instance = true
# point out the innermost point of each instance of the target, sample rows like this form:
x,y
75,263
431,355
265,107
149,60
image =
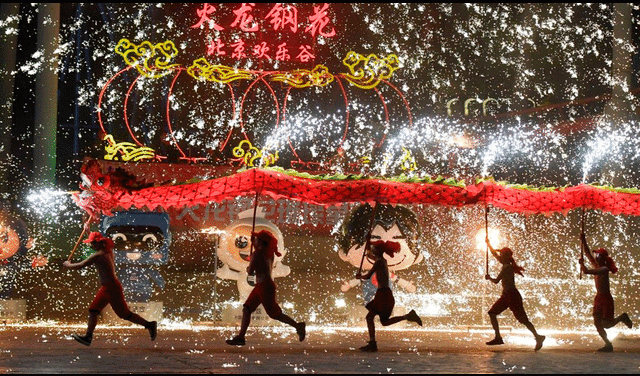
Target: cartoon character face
x,y
401,260
140,238
392,223
9,242
235,243
14,236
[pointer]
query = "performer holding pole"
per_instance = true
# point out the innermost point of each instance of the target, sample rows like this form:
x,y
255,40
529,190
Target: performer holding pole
x,y
510,297
603,306
264,292
383,302
253,226
110,291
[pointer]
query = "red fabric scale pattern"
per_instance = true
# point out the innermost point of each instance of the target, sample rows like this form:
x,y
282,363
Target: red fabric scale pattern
x,y
278,184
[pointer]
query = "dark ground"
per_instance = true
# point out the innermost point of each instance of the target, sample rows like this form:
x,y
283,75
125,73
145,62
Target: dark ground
x,y
46,347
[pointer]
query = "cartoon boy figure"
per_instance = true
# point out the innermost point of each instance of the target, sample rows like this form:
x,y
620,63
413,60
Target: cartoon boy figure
x,y
391,223
142,241
14,244
234,250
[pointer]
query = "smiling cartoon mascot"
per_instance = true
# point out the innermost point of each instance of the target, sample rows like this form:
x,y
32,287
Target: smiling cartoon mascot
x,y
391,223
235,248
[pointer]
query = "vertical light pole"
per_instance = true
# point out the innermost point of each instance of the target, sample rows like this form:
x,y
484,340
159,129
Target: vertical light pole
x,y
619,106
46,108
10,13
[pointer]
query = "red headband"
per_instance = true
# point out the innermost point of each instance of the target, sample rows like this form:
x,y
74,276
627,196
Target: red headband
x,y
96,237
272,242
611,265
602,251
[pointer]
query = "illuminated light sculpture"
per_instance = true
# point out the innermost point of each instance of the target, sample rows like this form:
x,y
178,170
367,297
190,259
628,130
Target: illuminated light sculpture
x,y
150,60
301,78
126,151
486,105
249,155
202,69
408,161
154,61
365,72
368,72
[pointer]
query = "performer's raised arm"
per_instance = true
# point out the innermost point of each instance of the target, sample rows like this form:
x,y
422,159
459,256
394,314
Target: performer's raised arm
x,y
587,251
493,251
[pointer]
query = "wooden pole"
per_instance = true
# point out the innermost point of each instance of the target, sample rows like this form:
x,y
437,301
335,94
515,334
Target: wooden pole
x,y
368,242
582,216
253,226
486,229
84,229
251,278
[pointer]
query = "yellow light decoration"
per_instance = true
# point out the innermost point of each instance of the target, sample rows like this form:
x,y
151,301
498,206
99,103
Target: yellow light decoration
x,y
126,151
367,72
250,154
408,161
302,78
201,69
150,60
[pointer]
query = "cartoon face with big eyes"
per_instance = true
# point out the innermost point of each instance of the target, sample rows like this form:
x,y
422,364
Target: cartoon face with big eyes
x,y
14,245
9,242
391,223
14,236
140,238
141,242
401,260
235,242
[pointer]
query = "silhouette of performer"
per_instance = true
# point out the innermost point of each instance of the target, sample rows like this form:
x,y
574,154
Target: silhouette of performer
x,y
603,306
510,297
383,301
110,291
264,292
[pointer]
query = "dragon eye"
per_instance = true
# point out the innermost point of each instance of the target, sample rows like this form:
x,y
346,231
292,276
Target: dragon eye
x,y
119,237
